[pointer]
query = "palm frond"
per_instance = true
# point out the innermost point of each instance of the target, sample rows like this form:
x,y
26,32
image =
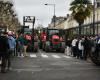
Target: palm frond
x,y
81,9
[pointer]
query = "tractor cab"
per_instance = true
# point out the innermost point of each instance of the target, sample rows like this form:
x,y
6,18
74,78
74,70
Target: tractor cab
x,y
53,39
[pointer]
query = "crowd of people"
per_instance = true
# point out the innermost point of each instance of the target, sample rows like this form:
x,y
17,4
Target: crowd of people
x,y
7,46
82,47
12,45
16,45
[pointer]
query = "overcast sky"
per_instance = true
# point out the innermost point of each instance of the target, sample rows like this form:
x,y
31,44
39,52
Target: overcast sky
x,y
42,12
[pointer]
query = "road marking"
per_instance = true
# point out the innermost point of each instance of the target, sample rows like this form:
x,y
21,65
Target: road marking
x,y
32,70
67,56
44,56
33,55
56,56
17,71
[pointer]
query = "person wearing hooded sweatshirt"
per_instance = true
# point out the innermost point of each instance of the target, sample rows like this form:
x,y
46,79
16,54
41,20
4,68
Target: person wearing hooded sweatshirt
x,y
12,44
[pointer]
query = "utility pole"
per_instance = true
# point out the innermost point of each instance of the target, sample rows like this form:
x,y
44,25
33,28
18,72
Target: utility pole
x,y
54,16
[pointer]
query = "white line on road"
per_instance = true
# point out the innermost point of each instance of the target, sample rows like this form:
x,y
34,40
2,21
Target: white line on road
x,y
33,55
32,70
44,56
56,56
67,56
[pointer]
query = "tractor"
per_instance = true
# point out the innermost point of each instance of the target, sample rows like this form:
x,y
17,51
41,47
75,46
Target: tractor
x,y
52,39
32,40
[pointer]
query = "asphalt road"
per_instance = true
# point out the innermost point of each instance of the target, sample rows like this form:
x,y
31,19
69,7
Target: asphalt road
x,y
51,66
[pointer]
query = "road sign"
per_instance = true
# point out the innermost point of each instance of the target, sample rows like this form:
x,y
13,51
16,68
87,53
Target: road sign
x,y
25,26
29,18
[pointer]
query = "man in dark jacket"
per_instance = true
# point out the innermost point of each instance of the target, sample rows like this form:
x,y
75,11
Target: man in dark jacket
x,y
4,46
87,48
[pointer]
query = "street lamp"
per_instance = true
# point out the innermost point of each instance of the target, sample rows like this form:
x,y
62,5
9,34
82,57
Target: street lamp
x,y
54,12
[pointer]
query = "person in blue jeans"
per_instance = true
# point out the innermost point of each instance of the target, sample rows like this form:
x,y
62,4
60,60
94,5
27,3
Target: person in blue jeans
x,y
12,45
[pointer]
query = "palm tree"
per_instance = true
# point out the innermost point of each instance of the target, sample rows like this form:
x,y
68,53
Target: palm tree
x,y
81,9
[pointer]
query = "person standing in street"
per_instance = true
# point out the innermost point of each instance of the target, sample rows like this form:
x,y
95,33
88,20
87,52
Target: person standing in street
x,y
12,44
74,46
81,47
25,45
68,47
4,46
20,45
87,48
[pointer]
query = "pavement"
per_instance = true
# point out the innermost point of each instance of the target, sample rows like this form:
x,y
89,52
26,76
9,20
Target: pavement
x,y
51,66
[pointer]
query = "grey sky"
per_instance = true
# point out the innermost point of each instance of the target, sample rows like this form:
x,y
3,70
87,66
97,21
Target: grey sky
x,y
42,12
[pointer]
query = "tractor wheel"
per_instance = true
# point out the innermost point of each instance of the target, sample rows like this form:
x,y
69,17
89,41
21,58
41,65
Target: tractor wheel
x,y
35,50
62,51
46,49
58,50
63,47
43,47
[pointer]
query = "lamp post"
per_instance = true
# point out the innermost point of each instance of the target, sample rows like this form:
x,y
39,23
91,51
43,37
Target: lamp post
x,y
54,12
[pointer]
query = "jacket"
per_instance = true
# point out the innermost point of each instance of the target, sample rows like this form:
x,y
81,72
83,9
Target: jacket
x,y
11,42
4,46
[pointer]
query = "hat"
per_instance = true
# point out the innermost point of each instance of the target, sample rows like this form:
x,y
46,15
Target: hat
x,y
9,33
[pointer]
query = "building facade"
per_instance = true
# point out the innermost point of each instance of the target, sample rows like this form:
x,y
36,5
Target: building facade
x,y
87,27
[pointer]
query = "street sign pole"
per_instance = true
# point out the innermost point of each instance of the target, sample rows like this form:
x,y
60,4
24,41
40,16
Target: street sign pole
x,y
29,19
